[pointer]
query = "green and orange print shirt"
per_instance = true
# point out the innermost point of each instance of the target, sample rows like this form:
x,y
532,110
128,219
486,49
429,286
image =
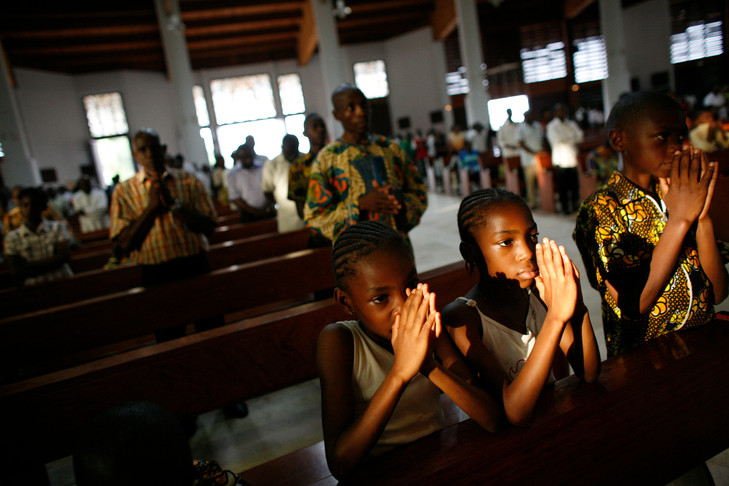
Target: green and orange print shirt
x,y
618,227
344,172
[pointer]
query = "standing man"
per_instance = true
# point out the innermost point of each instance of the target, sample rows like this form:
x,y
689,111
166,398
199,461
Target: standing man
x,y
564,135
362,176
275,185
530,138
244,186
316,131
164,216
506,137
91,205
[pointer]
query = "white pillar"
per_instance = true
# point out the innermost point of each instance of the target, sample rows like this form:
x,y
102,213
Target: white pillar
x,y
329,58
18,166
180,73
618,80
469,38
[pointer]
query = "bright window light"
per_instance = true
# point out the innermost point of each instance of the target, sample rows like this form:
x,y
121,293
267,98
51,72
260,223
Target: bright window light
x,y
201,106
292,96
544,63
497,110
590,59
268,135
295,126
697,42
242,99
456,82
105,114
371,78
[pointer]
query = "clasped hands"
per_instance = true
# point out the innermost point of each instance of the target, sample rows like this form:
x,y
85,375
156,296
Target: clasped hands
x,y
688,192
380,200
416,327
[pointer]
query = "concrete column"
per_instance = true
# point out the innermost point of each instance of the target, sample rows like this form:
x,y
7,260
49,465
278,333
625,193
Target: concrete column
x,y
18,166
329,58
613,31
469,38
180,73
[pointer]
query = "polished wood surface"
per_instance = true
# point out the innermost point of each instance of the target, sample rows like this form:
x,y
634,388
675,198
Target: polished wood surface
x,y
96,283
654,413
48,334
190,375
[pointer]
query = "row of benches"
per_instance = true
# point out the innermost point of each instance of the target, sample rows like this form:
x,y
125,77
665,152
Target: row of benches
x,y
190,375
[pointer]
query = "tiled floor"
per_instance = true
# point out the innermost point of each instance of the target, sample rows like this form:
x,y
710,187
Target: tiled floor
x,y
290,419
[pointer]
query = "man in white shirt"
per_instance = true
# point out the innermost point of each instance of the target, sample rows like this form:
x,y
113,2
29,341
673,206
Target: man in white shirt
x,y
506,138
275,185
244,187
91,206
530,137
564,135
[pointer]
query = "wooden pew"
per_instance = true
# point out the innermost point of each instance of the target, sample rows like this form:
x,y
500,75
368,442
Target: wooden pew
x,y
654,413
44,338
96,283
190,375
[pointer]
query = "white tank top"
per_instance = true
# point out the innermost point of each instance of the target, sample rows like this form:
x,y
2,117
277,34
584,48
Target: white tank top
x,y
511,348
417,413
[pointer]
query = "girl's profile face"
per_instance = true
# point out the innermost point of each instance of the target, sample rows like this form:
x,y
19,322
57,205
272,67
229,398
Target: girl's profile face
x,y
377,292
508,241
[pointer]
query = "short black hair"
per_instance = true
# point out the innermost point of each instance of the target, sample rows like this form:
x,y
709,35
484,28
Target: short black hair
x,y
637,106
36,194
312,116
362,239
147,132
138,443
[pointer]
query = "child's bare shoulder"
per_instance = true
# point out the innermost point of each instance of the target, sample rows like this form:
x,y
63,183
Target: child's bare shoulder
x,y
335,348
459,313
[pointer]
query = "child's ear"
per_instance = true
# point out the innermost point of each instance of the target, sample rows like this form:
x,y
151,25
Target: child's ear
x,y
342,299
469,254
617,141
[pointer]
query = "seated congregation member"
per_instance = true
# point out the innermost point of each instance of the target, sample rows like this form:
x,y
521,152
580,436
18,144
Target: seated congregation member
x,y
382,372
526,314
361,176
141,443
708,134
164,216
91,205
646,238
244,186
13,219
39,250
316,131
275,185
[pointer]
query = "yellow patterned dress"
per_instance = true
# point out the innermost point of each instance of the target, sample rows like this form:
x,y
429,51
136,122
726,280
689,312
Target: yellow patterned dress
x,y
618,227
344,172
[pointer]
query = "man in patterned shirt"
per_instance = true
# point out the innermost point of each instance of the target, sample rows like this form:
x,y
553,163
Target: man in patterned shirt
x,y
39,249
361,176
316,131
646,237
162,215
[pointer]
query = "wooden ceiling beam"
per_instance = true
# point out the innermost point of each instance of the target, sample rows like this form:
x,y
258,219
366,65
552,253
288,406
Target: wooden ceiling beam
x,y
401,18
308,38
88,48
83,32
241,41
443,20
421,5
227,28
240,11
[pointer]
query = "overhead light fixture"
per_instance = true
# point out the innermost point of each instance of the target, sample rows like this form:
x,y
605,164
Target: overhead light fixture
x,y
341,11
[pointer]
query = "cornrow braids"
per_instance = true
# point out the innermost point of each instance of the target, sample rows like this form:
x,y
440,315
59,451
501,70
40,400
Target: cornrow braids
x,y
360,240
473,213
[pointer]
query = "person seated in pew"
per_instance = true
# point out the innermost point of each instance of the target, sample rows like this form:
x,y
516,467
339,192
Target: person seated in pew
x,y
40,249
646,238
275,185
382,372
316,131
13,219
141,443
165,217
526,314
